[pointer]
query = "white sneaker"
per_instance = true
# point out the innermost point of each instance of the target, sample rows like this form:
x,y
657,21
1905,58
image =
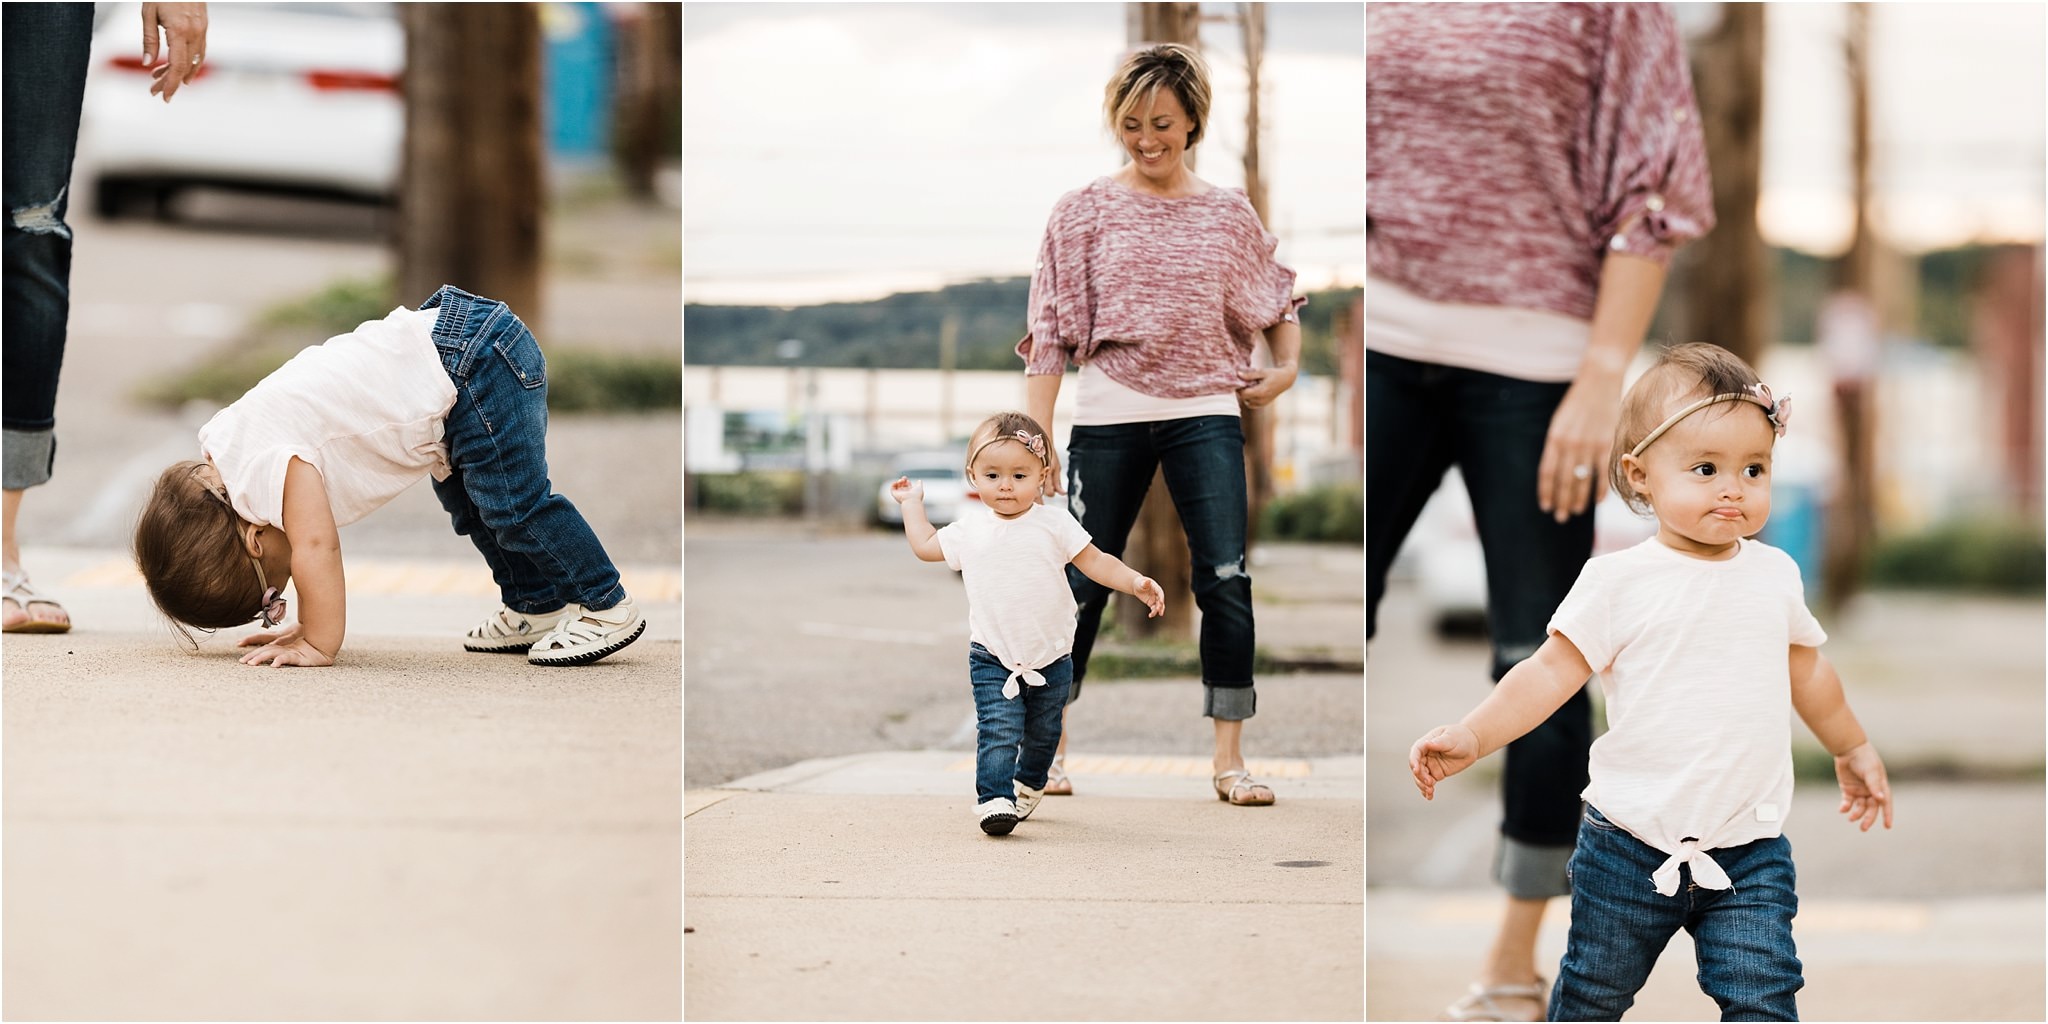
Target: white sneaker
x,y
510,632
582,639
1027,799
998,816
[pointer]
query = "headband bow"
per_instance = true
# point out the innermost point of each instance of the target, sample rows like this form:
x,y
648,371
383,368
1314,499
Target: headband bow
x,y
1777,410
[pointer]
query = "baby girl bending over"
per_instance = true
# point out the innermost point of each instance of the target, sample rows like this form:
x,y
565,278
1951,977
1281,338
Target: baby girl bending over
x,y
456,390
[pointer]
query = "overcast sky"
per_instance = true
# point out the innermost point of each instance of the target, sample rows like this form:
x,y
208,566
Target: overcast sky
x,y
850,150
836,151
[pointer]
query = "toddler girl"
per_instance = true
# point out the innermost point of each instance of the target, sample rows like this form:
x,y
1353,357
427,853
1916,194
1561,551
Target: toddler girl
x,y
1702,642
456,389
1020,611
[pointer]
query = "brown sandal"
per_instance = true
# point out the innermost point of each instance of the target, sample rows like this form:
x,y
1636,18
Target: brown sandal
x,y
1056,781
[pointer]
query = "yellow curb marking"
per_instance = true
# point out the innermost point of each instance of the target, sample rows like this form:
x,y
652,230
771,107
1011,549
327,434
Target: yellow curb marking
x,y
372,576
1188,767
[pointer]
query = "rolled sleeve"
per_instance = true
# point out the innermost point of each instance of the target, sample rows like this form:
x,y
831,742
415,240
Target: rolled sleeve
x,y
1656,191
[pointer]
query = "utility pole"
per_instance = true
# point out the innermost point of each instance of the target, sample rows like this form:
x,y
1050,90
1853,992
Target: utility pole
x,y
471,202
1157,544
1855,349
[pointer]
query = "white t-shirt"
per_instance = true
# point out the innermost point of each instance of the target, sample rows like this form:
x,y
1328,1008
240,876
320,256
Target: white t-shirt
x,y
1692,657
366,409
1018,602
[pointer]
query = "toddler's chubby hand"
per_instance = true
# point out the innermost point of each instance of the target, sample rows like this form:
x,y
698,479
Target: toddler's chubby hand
x,y
1866,792
1441,753
905,490
284,647
1149,591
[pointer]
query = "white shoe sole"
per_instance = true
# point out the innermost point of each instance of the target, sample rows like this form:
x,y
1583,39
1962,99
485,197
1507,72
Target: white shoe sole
x,y
572,656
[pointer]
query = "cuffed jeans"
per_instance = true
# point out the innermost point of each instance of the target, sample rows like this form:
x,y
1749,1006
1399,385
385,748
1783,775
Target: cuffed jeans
x,y
1422,419
541,551
42,76
1742,935
1109,469
1015,737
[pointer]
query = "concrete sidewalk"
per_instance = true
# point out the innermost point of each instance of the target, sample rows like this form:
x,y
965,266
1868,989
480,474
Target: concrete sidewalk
x,y
417,833
860,888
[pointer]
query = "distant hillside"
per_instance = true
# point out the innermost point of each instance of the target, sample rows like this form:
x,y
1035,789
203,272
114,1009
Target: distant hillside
x,y
902,331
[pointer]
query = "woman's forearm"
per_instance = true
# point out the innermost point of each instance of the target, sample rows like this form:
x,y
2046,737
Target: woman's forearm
x,y
1041,393
1622,310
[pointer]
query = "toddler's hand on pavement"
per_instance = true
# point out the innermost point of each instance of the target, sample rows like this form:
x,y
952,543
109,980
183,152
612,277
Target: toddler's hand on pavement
x,y
1866,792
1441,753
905,490
1149,591
295,651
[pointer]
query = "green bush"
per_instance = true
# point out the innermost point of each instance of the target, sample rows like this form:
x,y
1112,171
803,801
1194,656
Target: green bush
x,y
758,493
1997,555
579,379
1333,513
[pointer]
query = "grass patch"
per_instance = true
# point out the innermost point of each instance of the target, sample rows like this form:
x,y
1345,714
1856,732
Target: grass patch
x,y
579,380
1334,513
1991,555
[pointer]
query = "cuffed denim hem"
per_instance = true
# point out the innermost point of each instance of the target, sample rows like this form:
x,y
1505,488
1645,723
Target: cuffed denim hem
x,y
1229,703
26,457
1531,872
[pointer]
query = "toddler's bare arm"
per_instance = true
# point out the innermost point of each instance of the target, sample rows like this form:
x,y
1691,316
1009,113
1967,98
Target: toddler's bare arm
x,y
316,570
1817,696
1111,572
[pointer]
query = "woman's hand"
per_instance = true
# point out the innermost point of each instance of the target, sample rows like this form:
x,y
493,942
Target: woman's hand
x,y
1264,384
1572,475
184,44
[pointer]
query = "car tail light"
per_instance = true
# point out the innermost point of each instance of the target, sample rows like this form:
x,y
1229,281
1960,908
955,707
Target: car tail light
x,y
352,81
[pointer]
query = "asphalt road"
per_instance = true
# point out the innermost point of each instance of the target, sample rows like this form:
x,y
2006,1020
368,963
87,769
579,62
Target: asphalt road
x,y
806,644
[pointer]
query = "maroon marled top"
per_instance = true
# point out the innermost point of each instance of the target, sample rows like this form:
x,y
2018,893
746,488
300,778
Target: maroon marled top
x,y
1165,295
1508,146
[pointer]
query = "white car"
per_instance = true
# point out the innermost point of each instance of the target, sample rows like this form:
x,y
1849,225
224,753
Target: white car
x,y
296,98
1450,567
946,493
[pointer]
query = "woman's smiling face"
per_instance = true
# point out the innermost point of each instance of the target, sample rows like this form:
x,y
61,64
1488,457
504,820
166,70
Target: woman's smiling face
x,y
1155,134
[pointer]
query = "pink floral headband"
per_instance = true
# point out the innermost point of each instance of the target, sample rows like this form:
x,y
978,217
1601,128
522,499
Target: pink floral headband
x,y
1778,410
1034,442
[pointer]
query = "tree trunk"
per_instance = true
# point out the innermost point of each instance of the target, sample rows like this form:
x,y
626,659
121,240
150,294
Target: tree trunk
x,y
1727,300
470,204
649,117
1258,424
1158,547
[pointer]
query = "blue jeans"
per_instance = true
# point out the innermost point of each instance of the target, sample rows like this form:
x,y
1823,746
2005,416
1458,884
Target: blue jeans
x,y
1014,736
1109,469
1743,934
1422,419
42,77
540,550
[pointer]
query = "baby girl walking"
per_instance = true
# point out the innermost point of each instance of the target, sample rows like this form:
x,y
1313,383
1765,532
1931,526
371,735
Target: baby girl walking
x,y
1703,644
1020,611
456,389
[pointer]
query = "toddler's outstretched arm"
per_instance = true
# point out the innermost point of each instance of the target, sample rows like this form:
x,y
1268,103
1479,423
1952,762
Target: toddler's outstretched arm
x,y
917,527
1111,572
1523,699
1817,696
316,566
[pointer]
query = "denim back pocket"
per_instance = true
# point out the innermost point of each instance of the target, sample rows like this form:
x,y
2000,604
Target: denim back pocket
x,y
516,345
